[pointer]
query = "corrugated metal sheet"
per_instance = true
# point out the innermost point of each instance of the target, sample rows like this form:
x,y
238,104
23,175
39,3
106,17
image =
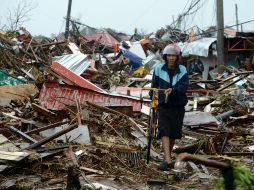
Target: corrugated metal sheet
x,y
199,47
77,63
76,79
55,96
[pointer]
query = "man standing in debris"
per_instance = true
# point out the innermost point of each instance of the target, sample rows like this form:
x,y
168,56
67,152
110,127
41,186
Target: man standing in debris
x,y
172,77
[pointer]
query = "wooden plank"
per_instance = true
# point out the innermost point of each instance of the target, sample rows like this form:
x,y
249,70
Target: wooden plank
x,y
92,170
28,74
17,92
46,155
13,156
46,127
43,110
10,157
14,153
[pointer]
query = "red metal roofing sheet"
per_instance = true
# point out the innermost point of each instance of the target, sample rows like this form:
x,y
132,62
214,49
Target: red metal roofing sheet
x,y
76,79
55,96
103,37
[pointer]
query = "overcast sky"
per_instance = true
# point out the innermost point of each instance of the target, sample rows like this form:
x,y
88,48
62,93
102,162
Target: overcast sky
x,y
124,16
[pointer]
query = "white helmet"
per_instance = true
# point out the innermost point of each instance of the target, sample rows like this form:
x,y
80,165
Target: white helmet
x,y
171,49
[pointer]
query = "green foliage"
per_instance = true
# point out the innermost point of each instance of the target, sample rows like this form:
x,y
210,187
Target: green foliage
x,y
243,178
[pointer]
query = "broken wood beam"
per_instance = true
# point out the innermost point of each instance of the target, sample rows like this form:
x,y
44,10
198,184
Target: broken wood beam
x,y
71,156
206,131
46,155
92,71
206,162
203,81
105,109
31,55
46,127
225,141
191,133
17,118
43,110
21,134
158,182
50,44
135,123
230,84
53,148
73,178
235,70
56,181
227,79
28,74
136,126
92,170
225,168
204,91
191,148
73,170
243,72
48,139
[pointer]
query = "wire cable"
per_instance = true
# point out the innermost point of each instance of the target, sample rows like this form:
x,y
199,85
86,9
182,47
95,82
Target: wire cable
x,y
142,14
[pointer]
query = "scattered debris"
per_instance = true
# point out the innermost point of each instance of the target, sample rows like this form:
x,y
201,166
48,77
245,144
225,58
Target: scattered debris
x,y
72,113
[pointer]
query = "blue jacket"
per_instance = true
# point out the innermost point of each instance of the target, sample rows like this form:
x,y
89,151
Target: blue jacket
x,y
180,82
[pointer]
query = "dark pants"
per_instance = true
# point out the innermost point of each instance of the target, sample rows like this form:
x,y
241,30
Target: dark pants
x,y
170,122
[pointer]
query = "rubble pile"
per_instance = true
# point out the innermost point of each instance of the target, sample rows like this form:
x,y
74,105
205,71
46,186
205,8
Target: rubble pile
x,y
73,113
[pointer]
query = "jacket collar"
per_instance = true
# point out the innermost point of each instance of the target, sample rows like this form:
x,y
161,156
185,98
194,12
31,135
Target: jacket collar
x,y
177,69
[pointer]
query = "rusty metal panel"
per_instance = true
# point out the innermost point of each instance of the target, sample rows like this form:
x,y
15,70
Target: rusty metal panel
x,y
55,96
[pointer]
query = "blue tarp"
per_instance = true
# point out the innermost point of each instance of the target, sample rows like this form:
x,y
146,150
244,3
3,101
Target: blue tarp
x,y
134,61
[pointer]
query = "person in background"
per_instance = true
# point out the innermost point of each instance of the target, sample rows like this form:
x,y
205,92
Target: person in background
x,y
196,67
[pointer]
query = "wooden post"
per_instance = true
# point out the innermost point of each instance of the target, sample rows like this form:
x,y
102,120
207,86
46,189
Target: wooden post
x,y
68,20
220,33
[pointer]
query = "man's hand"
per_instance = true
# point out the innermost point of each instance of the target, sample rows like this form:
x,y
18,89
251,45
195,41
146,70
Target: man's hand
x,y
168,91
